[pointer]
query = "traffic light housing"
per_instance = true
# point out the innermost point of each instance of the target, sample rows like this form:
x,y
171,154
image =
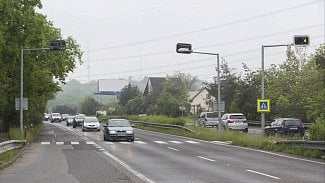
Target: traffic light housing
x,y
301,40
57,45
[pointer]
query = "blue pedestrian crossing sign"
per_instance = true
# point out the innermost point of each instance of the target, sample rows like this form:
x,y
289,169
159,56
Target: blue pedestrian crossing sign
x,y
263,105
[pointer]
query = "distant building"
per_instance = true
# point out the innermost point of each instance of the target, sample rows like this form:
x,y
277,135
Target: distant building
x,y
201,100
154,84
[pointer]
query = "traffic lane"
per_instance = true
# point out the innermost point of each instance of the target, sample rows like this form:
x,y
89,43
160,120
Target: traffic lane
x,y
65,162
251,165
247,159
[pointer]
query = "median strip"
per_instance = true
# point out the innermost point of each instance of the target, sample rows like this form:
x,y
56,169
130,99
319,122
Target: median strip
x,y
252,171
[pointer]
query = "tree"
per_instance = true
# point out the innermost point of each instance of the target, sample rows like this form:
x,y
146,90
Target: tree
x,y
129,92
22,27
135,106
89,106
168,105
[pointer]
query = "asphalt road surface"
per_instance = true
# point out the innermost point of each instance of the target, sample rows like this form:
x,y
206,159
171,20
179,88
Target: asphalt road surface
x,y
64,154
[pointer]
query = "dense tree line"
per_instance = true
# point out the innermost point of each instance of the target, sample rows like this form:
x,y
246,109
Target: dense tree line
x,y
21,26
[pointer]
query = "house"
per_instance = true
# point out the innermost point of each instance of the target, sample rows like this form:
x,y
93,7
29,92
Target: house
x,y
154,84
201,100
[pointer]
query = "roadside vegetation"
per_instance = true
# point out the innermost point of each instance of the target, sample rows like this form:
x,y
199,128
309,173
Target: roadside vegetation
x,y
240,139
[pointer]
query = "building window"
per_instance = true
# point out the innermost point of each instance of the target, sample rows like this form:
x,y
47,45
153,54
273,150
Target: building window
x,y
208,96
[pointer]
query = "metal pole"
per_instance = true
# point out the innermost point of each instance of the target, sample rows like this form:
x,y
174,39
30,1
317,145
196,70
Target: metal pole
x,y
262,93
219,100
21,90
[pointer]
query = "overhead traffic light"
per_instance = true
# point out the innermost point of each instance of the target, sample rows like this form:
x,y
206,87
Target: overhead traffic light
x,y
301,40
57,45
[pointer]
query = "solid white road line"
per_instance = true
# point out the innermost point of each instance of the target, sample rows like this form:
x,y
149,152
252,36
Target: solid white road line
x,y
59,143
45,143
252,171
205,158
142,177
74,143
173,149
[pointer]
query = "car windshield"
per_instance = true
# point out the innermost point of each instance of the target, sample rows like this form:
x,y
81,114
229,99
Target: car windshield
x,y
118,123
212,115
292,123
237,117
91,120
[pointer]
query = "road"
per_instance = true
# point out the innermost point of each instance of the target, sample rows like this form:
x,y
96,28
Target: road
x,y
64,154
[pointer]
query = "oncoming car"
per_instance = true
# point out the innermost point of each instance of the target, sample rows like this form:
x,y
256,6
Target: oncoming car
x,y
90,123
78,120
69,120
118,129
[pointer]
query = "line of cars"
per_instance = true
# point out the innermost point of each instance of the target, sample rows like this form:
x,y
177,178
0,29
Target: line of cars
x,y
113,129
238,121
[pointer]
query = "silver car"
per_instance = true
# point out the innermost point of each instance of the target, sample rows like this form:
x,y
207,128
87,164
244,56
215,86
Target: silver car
x,y
235,121
90,123
208,119
118,129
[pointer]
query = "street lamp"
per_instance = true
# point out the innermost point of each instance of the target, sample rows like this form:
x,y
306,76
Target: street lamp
x,y
186,48
54,45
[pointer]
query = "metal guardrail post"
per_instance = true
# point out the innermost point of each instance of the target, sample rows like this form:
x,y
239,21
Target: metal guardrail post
x,y
11,144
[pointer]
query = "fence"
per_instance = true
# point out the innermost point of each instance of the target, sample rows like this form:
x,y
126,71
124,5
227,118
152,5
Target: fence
x,y
11,144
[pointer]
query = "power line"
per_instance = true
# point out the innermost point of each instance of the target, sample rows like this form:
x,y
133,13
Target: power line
x,y
207,46
209,28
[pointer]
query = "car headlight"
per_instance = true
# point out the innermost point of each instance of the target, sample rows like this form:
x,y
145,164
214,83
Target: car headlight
x,y
112,132
129,131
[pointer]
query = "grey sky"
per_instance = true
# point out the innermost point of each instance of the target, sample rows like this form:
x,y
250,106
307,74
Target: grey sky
x,y
137,38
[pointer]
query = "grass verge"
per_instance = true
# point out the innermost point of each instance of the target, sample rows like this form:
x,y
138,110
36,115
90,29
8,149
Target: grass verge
x,y
240,139
15,134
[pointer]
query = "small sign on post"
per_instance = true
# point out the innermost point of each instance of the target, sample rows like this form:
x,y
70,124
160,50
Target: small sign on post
x,y
222,106
25,104
263,105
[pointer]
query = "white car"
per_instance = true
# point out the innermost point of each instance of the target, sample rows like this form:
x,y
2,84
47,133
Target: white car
x,y
90,123
235,121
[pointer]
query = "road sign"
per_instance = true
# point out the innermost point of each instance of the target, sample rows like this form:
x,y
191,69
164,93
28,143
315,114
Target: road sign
x,y
263,105
25,104
222,106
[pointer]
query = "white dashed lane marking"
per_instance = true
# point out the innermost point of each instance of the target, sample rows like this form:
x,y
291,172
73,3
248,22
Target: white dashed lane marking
x,y
191,142
90,142
176,142
160,142
140,142
59,143
45,143
74,143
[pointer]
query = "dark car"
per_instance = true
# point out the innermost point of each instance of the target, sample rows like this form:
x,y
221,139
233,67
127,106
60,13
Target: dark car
x,y
285,126
69,120
78,120
118,129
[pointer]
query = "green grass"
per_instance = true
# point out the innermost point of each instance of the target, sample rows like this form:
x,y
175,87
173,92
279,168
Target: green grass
x,y
31,133
239,139
8,156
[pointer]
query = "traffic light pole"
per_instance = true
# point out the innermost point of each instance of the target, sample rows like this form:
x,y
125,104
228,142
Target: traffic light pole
x,y
262,84
22,84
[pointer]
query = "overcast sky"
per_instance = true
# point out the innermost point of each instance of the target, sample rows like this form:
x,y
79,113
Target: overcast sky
x,y
122,38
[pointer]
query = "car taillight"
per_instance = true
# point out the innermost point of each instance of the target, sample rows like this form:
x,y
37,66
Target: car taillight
x,y
229,121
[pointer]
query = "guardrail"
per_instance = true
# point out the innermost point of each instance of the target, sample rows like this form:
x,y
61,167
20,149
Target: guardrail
x,y
267,123
162,125
11,144
320,145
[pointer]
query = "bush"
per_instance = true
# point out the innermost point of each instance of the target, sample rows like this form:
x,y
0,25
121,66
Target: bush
x,y
317,130
159,119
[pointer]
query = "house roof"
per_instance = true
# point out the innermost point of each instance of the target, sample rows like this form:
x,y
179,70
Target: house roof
x,y
193,94
156,83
